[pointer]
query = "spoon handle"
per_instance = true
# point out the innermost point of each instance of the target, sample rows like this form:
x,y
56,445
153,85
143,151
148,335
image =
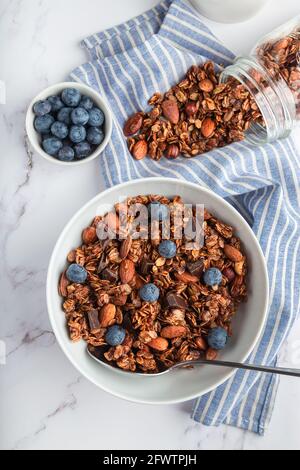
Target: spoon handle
x,y
237,365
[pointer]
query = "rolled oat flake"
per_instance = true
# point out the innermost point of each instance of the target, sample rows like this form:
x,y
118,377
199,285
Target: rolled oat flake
x,y
272,75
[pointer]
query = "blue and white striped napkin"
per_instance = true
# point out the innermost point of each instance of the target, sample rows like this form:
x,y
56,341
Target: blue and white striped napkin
x,y
152,52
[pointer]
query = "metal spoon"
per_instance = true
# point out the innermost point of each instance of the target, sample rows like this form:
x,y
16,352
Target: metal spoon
x,y
201,362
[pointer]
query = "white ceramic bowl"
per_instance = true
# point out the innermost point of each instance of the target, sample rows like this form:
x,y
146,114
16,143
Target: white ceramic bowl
x,y
176,386
35,138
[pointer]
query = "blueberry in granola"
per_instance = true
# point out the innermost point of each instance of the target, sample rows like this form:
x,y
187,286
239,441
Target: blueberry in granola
x,y
71,97
59,130
80,116
149,293
167,249
213,277
41,108
76,273
217,338
115,335
52,146
43,124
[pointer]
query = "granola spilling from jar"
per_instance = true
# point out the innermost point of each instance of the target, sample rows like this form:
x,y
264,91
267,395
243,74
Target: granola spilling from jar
x,y
146,303
193,117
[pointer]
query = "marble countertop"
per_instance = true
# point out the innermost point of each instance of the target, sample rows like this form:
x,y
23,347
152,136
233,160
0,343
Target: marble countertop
x,y
45,403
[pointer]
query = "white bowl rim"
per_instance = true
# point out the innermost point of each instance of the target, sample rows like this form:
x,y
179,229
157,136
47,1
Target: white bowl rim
x,y
51,313
53,89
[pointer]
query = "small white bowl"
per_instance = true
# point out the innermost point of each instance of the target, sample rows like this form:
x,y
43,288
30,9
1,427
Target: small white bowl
x,y
180,385
34,137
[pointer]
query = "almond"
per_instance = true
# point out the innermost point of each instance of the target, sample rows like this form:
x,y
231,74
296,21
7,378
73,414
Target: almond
x,y
239,267
229,274
107,315
191,108
206,85
89,235
125,247
233,253
71,256
171,332
186,277
172,152
211,354
159,344
120,300
170,111
126,271
63,284
201,344
140,150
208,127
133,125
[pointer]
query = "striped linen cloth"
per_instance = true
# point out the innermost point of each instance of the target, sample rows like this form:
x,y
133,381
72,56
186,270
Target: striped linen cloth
x,y
150,53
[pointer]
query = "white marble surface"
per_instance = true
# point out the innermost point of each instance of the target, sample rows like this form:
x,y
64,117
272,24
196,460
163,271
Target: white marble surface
x,y
44,402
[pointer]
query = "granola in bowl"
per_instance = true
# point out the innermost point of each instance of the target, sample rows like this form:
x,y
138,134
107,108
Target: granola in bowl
x,y
145,292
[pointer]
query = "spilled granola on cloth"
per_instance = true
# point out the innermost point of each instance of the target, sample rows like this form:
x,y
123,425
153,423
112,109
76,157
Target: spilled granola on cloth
x,y
173,328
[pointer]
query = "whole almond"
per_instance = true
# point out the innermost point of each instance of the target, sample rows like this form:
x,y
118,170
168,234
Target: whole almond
x,y
159,344
125,247
208,127
206,85
233,253
170,111
201,343
63,284
191,108
140,150
171,332
133,124
89,235
186,277
211,354
107,315
127,271
172,152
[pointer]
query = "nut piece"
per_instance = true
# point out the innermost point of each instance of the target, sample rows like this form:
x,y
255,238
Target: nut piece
x,y
125,247
159,344
63,284
206,85
107,315
133,125
191,108
186,277
208,127
171,332
89,235
140,150
211,354
172,152
120,300
239,267
232,253
127,271
229,274
201,343
170,111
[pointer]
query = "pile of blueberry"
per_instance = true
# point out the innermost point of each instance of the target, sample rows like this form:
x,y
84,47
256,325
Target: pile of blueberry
x,y
70,125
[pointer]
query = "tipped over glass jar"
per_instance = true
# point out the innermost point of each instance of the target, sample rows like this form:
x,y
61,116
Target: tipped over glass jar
x,y
272,74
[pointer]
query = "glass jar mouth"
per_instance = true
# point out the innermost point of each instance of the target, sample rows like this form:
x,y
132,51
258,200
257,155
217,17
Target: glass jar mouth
x,y
274,100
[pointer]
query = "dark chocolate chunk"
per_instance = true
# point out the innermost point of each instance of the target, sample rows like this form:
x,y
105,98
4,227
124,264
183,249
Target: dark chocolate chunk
x,y
174,300
196,268
93,317
145,267
109,275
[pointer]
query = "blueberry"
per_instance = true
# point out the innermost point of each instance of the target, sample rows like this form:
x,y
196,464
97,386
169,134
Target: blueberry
x,y
217,338
83,150
96,117
212,277
79,116
149,293
60,130
158,211
41,108
71,97
115,335
56,103
66,154
43,124
77,134
86,103
95,136
64,115
167,249
76,273
52,146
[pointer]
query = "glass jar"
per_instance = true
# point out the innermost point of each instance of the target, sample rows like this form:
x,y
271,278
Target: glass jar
x,y
272,74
